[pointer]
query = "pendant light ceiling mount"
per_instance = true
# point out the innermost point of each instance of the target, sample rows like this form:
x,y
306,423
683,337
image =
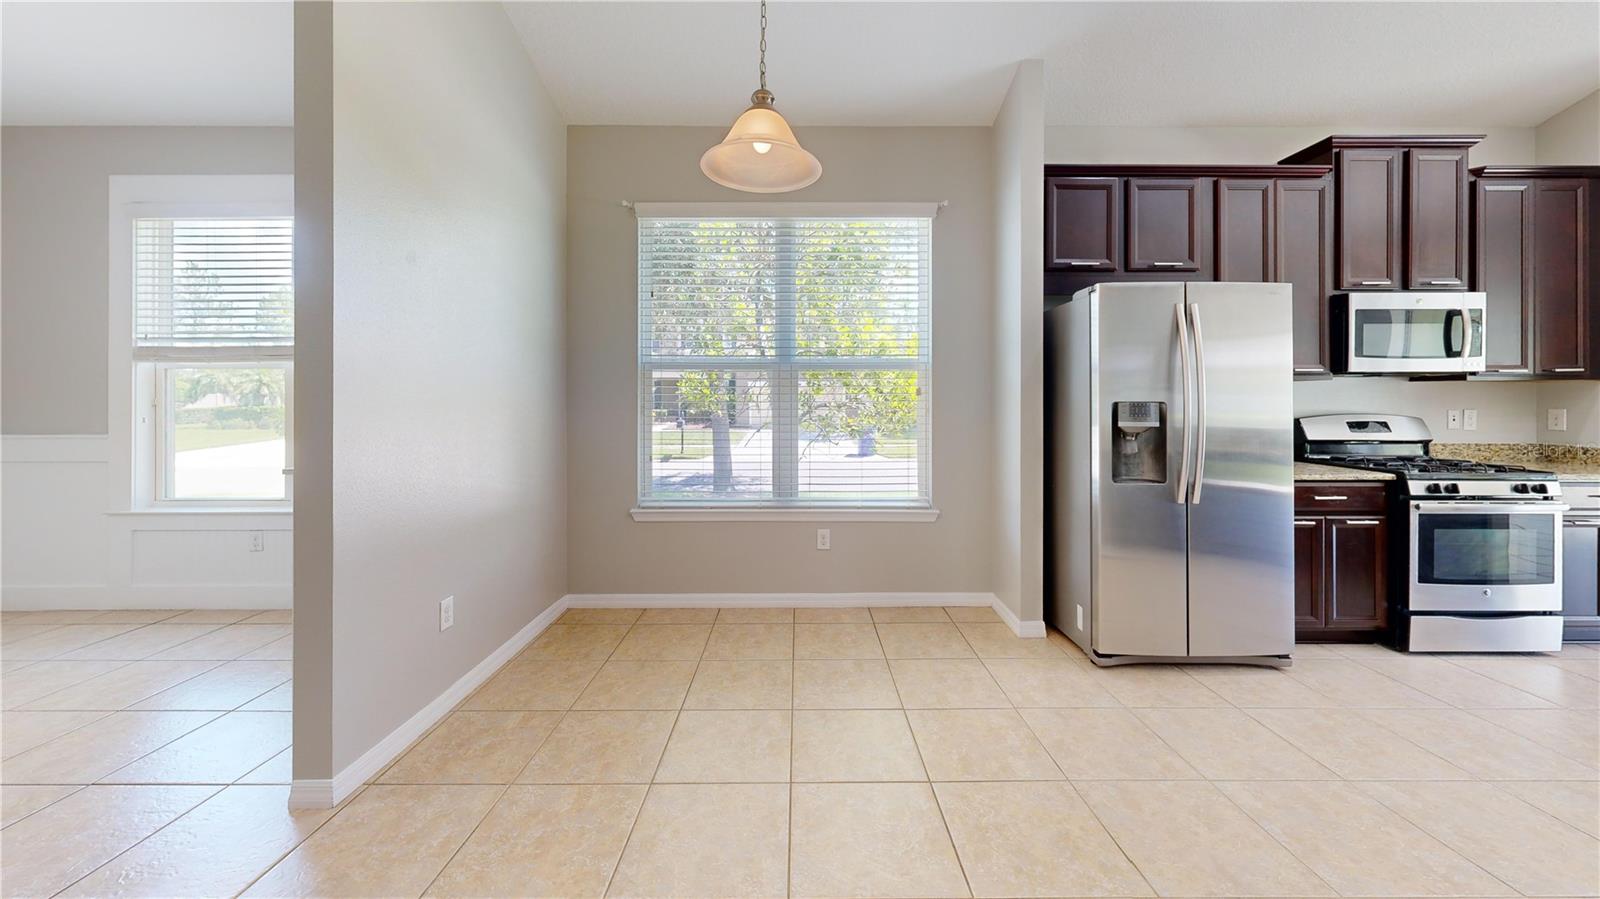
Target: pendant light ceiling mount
x,y
761,154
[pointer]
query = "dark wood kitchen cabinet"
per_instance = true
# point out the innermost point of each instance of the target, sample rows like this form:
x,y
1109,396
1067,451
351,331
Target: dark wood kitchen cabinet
x,y
1083,224
1165,219
1340,562
1402,213
1562,295
1245,231
1503,270
1303,257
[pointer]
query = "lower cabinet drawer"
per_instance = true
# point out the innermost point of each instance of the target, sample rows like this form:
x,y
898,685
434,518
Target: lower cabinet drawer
x,y
1338,498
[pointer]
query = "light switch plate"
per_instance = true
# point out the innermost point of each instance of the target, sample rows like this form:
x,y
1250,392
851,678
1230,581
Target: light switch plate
x,y
1556,420
1469,419
824,538
447,613
1452,419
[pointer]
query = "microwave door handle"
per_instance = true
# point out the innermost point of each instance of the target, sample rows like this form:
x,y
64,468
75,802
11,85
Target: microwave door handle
x,y
1181,485
1455,329
1202,412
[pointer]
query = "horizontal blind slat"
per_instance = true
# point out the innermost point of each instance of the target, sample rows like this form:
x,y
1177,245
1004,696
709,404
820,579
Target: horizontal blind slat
x,y
213,283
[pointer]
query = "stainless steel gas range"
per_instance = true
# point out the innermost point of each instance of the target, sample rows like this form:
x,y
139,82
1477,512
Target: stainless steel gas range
x,y
1480,544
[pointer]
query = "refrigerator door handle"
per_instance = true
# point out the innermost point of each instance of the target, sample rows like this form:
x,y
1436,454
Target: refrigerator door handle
x,y
1200,405
1181,485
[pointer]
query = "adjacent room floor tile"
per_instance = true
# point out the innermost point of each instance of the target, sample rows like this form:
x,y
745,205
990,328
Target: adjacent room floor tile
x,y
1354,747
218,752
755,615
278,699
871,839
528,683
601,616
474,747
754,684
855,745
1154,686
1575,733
1454,684
1048,683
57,642
282,648
707,840
1105,744
272,616
601,747
1352,685
663,641
545,841
230,642
833,616
677,616
979,744
1188,839
637,685
1249,687
22,731
223,688
48,850
100,747
277,770
216,849
142,642
212,616
391,840
1356,844
1544,679
750,641
138,616
1022,839
978,614
20,801
836,641
926,640
15,633
996,641
900,614
122,687
1523,846
40,679
1576,802
946,684
844,684
1227,744
1480,748
727,747
575,641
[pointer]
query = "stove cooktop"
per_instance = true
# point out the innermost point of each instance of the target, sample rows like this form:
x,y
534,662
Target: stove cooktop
x,y
1425,467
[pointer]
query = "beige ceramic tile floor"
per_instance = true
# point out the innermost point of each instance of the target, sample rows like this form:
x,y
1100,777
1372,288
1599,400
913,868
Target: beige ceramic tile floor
x,y
769,752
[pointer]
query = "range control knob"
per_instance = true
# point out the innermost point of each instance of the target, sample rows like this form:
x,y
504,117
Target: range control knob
x,y
1452,488
1519,488
1540,488
1434,488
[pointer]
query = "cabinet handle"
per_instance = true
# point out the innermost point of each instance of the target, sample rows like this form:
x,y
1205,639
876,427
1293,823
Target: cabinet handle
x,y
1305,524
1083,262
1309,368
1168,264
1375,283
1362,521
1443,281
1563,371
1332,498
1510,371
1581,522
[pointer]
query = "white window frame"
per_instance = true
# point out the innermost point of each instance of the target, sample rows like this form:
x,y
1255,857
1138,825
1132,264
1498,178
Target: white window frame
x,y
783,506
139,475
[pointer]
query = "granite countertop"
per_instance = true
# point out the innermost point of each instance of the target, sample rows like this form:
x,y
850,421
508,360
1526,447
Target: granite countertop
x,y
1570,463
1310,471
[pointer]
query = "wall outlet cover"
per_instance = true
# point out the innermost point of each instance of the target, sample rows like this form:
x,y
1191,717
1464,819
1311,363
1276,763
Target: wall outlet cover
x,y
1469,419
1452,419
824,538
258,542
447,613
1556,420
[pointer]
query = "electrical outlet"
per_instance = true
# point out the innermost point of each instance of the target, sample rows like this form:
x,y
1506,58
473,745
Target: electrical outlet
x,y
447,613
258,542
1556,420
824,538
1469,419
1079,607
1452,419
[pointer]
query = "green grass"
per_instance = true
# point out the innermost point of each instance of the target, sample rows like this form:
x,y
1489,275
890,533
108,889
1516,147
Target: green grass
x,y
195,437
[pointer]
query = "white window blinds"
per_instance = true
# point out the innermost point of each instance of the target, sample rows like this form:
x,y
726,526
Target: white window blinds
x,y
210,287
784,361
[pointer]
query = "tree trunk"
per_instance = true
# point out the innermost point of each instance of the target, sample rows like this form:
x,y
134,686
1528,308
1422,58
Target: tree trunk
x,y
721,454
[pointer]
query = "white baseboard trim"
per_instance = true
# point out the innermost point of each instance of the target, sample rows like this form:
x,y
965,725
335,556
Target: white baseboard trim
x,y
147,596
814,600
329,793
1025,629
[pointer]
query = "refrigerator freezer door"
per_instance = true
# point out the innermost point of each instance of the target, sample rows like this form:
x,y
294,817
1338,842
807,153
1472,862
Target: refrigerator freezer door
x,y
1241,553
1139,527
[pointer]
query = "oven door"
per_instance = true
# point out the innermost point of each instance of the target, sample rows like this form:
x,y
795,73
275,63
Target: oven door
x,y
1485,557
1433,333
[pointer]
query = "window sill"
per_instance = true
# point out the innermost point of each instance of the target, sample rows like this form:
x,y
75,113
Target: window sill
x,y
660,513
190,511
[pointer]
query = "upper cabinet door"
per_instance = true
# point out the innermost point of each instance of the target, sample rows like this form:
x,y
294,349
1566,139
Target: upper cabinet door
x,y
1560,275
1436,219
1304,259
1164,224
1244,229
1083,221
1369,218
1503,271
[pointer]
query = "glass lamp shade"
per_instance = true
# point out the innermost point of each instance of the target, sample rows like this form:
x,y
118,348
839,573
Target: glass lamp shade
x,y
760,154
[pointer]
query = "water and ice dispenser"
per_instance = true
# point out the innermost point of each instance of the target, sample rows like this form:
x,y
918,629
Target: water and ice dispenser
x,y
1140,433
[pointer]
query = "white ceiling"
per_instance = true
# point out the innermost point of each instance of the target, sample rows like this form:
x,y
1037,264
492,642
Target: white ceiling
x,y
859,63
1276,63
147,63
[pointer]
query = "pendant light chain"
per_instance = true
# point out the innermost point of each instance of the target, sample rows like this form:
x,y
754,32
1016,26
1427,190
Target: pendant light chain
x,y
763,44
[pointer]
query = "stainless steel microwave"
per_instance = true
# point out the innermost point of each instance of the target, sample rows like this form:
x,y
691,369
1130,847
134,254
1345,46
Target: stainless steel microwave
x,y
1393,332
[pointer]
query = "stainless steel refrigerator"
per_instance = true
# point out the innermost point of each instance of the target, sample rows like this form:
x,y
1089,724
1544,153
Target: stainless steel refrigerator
x,y
1171,474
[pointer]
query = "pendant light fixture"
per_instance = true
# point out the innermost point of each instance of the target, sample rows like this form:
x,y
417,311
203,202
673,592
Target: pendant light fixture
x,y
760,153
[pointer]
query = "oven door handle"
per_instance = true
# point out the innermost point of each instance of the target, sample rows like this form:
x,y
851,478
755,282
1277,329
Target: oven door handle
x,y
1514,508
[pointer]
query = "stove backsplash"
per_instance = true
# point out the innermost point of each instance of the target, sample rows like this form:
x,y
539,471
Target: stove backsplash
x,y
1509,412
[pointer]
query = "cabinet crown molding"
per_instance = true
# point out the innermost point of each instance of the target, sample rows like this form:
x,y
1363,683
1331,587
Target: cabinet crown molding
x,y
1322,150
1142,170
1536,171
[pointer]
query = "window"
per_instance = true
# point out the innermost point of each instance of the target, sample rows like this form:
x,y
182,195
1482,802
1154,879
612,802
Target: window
x,y
213,350
784,361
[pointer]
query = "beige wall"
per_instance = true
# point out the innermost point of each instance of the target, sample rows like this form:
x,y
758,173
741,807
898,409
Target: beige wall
x,y
1018,310
1581,399
611,553
1507,410
54,252
446,454
1571,136
1245,146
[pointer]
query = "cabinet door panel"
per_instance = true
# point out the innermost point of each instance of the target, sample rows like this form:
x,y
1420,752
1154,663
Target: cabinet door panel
x,y
1164,221
1356,556
1310,608
1560,275
1245,230
1082,224
1304,258
1369,218
1504,271
1436,219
